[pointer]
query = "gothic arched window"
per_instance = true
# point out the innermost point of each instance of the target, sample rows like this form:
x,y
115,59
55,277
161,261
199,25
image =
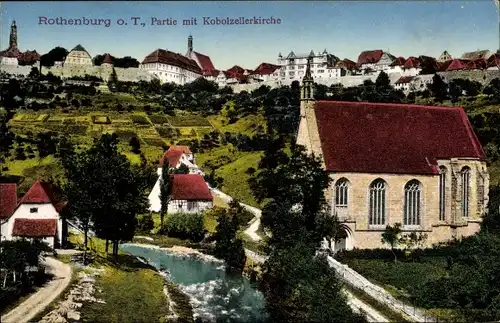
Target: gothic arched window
x,y
465,191
412,205
377,210
442,193
341,197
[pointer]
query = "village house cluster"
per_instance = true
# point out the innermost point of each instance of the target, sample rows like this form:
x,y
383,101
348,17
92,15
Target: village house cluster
x,y
326,68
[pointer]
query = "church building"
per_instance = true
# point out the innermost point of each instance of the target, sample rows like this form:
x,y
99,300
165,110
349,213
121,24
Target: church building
x,y
13,56
420,166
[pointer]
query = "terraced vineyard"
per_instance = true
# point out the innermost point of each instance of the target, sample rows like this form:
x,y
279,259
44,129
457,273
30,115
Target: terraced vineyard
x,y
154,130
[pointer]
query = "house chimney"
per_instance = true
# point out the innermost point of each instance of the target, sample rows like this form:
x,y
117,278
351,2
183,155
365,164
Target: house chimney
x,y
190,43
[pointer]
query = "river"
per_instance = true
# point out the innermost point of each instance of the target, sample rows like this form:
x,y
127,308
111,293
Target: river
x,y
215,296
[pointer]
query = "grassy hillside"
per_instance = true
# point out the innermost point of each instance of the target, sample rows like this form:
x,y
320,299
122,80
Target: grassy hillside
x,y
153,131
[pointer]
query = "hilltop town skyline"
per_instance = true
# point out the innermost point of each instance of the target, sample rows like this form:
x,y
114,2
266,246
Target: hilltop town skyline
x,y
444,26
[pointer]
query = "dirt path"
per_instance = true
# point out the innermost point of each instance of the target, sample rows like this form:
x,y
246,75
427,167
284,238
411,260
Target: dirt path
x,y
37,302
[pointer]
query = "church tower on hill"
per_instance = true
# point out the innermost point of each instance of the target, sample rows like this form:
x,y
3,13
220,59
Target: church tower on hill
x,y
13,36
308,129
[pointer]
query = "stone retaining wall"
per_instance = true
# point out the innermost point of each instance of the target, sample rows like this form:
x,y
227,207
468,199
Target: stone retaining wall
x,y
356,280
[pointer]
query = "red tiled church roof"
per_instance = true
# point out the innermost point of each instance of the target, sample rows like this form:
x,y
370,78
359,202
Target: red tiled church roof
x,y
189,187
370,56
8,200
392,138
163,56
42,193
205,62
34,228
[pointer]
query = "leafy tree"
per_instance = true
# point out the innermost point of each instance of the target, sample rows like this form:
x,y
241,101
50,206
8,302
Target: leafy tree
x,y
165,190
228,245
455,91
320,91
56,54
391,236
145,223
438,88
34,73
113,80
46,144
104,192
182,169
412,241
135,144
298,285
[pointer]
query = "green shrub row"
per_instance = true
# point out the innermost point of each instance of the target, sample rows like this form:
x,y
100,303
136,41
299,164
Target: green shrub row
x,y
185,226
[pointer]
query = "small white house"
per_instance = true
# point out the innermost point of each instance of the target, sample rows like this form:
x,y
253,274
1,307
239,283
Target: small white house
x,y
175,156
190,194
36,216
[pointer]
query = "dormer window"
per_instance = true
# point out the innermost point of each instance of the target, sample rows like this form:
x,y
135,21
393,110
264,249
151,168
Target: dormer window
x,y
33,210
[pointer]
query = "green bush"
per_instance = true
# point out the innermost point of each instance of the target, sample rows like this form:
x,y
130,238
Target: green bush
x,y
185,226
139,119
145,223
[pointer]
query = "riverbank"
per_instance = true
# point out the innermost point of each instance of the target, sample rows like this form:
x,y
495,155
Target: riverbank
x,y
213,293
131,290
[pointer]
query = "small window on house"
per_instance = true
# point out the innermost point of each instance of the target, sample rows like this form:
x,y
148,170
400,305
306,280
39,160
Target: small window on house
x,y
34,210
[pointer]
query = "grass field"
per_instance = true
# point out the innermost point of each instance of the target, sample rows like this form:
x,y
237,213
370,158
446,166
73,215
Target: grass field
x,y
399,278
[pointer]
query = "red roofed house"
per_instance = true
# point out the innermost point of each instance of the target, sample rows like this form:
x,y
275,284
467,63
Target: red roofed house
x,y
404,83
266,72
369,58
170,67
36,215
421,166
190,194
175,156
203,61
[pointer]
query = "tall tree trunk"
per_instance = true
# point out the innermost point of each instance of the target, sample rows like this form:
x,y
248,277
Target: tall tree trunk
x,y
107,246
162,215
5,279
115,248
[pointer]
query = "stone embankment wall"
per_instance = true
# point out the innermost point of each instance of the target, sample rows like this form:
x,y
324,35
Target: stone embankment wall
x,y
483,77
124,74
357,281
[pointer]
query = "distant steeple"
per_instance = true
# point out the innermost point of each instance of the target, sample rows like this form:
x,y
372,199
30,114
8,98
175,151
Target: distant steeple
x,y
307,90
13,35
190,43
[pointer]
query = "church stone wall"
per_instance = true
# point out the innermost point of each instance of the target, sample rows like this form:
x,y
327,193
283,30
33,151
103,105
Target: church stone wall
x,y
454,226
